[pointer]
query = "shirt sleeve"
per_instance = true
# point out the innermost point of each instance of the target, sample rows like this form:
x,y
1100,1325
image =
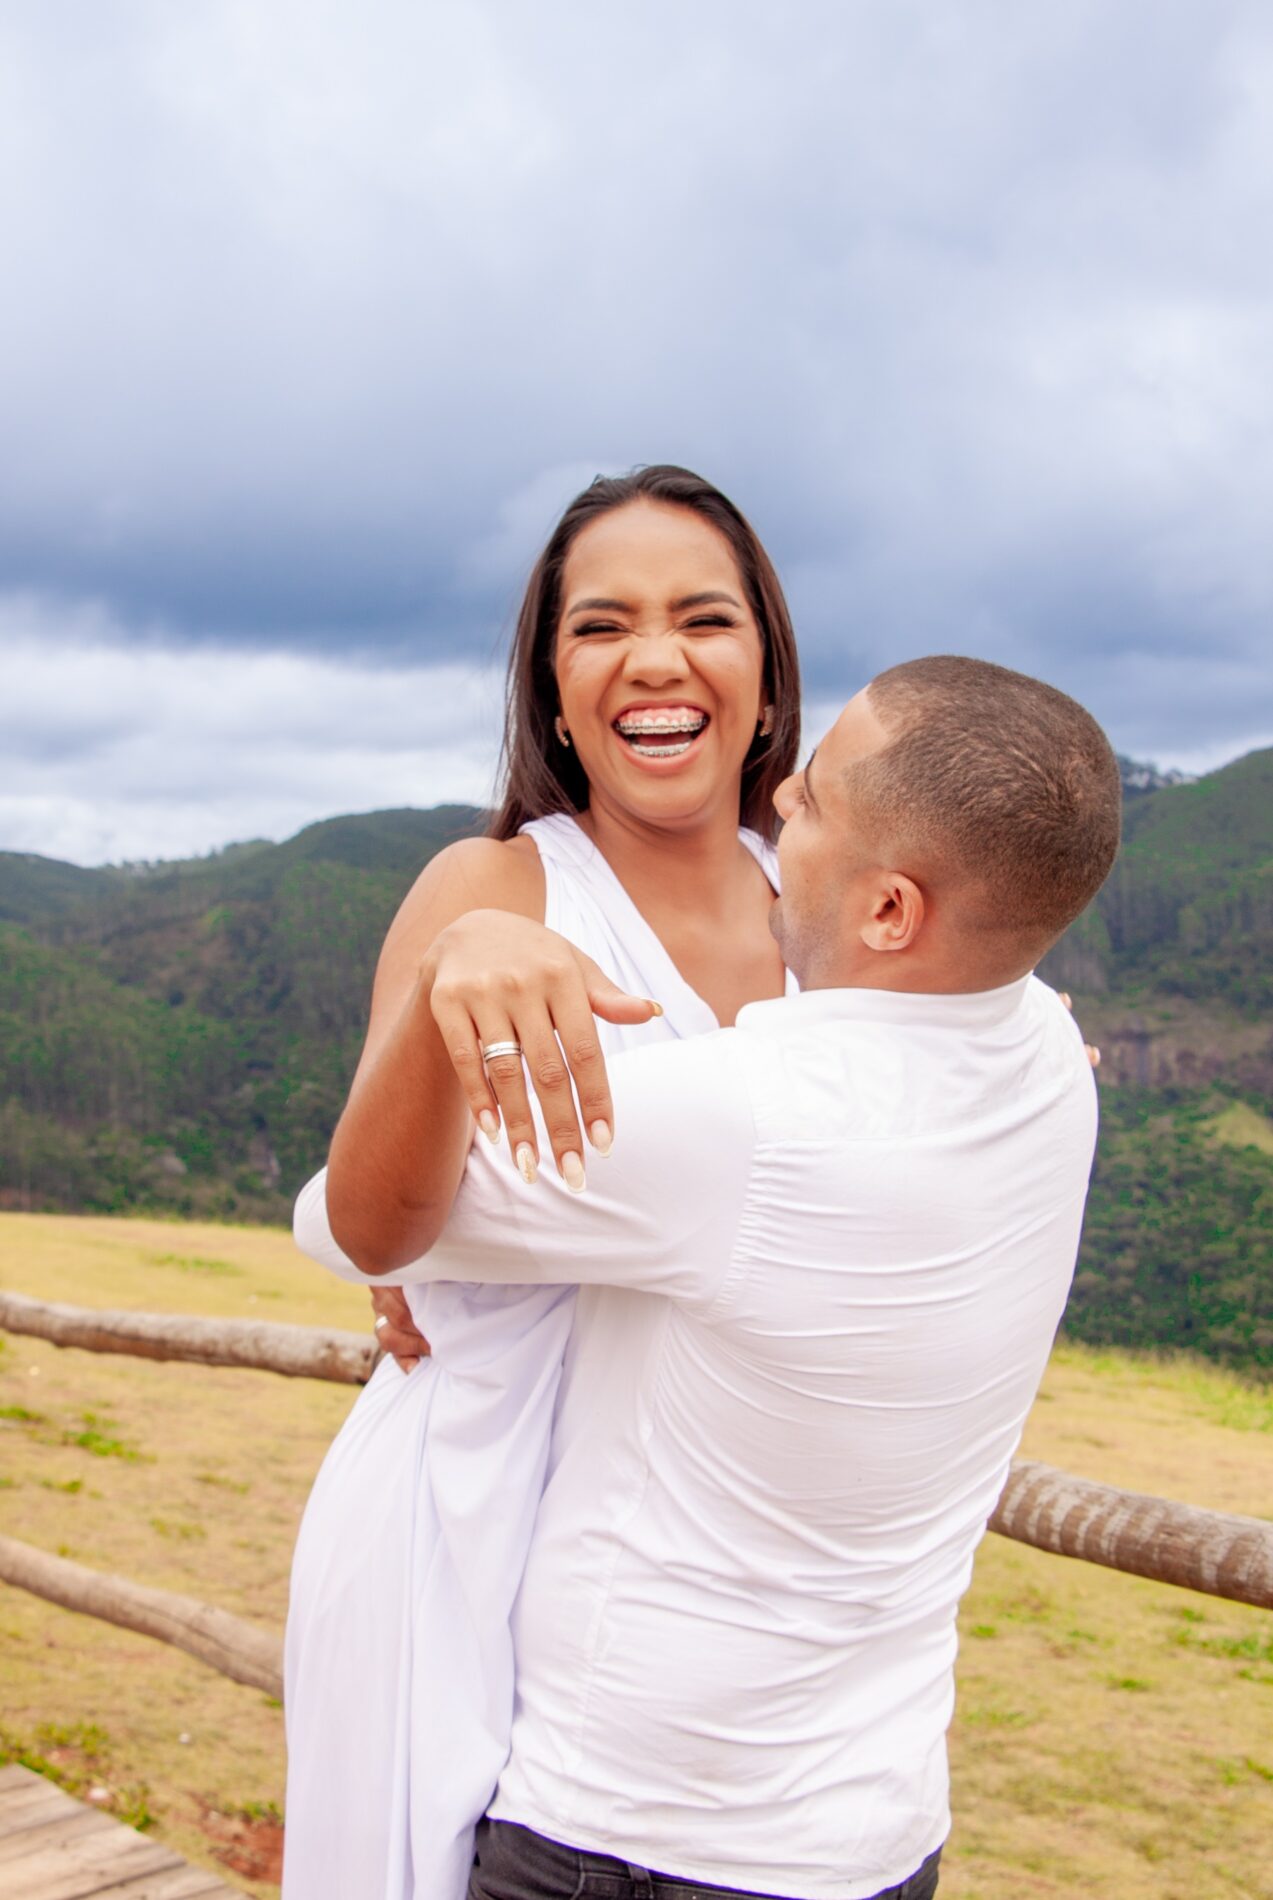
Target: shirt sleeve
x,y
311,1230
659,1214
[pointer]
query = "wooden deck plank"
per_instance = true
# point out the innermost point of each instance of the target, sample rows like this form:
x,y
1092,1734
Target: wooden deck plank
x,y
45,1797
177,1883
81,1866
40,1831
23,1807
22,1785
14,1776
54,1848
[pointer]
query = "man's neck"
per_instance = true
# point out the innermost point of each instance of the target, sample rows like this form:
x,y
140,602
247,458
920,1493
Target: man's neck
x,y
908,977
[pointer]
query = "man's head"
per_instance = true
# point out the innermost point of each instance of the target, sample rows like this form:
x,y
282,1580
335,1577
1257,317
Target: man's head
x,y
951,824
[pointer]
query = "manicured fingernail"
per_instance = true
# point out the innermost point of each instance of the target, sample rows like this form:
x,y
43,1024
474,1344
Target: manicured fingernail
x,y
572,1173
656,1007
489,1125
600,1137
527,1166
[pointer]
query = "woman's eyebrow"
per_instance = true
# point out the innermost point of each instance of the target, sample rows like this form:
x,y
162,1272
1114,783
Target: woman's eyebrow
x,y
702,600
599,604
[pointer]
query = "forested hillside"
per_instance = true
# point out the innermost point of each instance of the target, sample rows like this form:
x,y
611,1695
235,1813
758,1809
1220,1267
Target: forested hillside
x,y
180,1037
1188,910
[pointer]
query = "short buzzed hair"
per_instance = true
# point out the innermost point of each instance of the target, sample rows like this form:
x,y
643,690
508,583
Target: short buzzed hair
x,y
1009,782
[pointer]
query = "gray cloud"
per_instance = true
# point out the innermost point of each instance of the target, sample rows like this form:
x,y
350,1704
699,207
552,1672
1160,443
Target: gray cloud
x,y
323,318
117,751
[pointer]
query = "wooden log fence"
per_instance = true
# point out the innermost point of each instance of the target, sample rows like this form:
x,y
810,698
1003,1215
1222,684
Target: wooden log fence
x,y
298,1352
1212,1552
229,1644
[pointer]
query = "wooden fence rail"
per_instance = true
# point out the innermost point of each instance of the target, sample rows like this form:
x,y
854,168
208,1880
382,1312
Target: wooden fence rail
x,y
1214,1552
1209,1551
298,1352
235,1648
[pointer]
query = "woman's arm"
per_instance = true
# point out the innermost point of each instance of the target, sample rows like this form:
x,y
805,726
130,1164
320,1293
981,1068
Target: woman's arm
x,y
399,1147
663,1216
467,961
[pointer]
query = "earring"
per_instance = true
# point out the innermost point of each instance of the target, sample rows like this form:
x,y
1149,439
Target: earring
x,y
766,725
559,727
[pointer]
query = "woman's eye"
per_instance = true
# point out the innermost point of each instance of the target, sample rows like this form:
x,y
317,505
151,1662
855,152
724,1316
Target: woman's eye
x,y
701,623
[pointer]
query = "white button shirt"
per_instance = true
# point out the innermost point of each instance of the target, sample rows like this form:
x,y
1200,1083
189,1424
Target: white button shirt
x,y
829,1254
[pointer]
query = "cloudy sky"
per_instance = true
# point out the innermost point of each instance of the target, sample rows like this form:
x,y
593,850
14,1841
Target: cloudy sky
x,y
315,316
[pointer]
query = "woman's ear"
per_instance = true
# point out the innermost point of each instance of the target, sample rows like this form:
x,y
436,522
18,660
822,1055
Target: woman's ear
x,y
765,709
896,915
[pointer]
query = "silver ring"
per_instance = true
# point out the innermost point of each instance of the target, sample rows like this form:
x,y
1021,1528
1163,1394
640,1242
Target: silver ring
x,y
492,1049
382,1321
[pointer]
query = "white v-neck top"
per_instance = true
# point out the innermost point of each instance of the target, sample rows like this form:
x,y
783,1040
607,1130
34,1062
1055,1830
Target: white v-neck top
x,y
586,902
826,1261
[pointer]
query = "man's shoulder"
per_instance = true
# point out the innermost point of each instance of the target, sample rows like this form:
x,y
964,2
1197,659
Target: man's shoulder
x,y
673,1066
867,1073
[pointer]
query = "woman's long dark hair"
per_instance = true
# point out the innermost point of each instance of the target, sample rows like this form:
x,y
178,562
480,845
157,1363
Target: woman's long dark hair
x,y
538,774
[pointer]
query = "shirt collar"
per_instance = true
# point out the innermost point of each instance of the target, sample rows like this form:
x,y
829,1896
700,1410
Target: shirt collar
x,y
978,1009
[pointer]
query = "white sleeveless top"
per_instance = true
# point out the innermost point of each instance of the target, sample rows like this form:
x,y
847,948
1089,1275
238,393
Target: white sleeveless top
x,y
585,902
490,1389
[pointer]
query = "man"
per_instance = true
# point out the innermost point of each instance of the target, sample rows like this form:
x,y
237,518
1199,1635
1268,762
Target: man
x,y
829,1254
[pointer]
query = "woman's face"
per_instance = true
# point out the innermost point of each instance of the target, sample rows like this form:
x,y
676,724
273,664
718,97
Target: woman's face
x,y
659,664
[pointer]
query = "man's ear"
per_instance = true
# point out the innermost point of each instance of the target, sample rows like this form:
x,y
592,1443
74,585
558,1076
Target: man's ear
x,y
897,913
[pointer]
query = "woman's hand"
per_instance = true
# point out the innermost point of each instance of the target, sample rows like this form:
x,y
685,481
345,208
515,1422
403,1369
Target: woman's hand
x,y
1093,1053
493,977
396,1331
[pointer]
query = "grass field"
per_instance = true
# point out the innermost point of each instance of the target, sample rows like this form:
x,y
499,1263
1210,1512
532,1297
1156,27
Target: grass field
x,y
1113,1737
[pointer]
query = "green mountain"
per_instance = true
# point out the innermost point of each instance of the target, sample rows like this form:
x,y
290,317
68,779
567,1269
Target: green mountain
x,y
32,887
1188,909
1175,1246
181,1037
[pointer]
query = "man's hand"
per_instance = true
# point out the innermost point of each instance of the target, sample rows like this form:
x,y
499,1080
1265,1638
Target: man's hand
x,y
396,1331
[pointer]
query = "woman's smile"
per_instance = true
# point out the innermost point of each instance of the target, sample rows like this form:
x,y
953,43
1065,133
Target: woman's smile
x,y
658,734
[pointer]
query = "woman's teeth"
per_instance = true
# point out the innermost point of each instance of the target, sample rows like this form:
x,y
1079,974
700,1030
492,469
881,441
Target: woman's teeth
x,y
661,748
660,735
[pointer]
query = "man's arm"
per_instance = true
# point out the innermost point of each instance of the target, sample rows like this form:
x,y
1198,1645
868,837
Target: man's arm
x,y
660,1214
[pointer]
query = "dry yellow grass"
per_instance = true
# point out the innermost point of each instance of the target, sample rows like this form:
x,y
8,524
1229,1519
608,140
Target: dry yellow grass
x,y
1114,1738
188,1477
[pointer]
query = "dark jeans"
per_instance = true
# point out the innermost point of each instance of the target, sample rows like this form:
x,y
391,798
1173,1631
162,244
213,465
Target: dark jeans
x,y
514,1863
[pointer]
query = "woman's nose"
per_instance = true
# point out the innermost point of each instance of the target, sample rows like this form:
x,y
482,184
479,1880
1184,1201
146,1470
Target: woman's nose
x,y
656,658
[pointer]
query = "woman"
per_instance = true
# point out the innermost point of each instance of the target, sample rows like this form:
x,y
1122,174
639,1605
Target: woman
x,y
653,704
